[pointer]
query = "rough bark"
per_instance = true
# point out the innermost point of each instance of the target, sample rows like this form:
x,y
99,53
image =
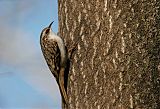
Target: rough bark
x,y
116,63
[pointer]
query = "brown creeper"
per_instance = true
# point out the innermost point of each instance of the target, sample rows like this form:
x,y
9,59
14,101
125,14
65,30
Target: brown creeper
x,y
54,52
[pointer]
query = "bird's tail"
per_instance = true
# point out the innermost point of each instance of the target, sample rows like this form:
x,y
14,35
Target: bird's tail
x,y
61,86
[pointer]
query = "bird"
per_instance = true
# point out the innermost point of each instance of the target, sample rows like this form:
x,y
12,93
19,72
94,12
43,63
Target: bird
x,y
54,52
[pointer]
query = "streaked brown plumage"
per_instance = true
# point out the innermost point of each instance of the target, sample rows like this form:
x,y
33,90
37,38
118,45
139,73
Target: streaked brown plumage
x,y
54,52
52,55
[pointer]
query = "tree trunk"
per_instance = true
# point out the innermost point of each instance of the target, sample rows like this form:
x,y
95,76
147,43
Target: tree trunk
x,y
117,63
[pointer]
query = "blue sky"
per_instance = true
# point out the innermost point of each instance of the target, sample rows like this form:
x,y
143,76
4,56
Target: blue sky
x,y
25,80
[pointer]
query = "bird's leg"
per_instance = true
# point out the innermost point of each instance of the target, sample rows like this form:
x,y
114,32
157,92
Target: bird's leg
x,y
72,49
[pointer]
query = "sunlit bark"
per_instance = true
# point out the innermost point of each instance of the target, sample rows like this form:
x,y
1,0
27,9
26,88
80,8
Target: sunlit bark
x,y
116,63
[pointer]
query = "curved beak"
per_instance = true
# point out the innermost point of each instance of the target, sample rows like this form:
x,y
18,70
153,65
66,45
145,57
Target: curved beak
x,y
50,24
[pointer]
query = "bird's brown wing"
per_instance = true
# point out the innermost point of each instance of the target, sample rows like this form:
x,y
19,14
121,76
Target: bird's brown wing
x,y
51,54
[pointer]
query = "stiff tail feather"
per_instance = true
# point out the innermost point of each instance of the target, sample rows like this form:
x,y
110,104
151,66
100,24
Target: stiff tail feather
x,y
61,86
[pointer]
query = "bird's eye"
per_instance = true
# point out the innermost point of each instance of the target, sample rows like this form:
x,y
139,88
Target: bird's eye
x,y
47,31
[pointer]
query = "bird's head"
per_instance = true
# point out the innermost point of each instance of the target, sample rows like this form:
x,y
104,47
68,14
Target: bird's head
x,y
46,31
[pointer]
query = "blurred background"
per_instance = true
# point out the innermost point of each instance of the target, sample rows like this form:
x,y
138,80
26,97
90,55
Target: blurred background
x,y
25,80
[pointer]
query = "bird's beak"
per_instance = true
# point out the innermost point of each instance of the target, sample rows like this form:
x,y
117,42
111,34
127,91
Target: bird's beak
x,y
50,24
